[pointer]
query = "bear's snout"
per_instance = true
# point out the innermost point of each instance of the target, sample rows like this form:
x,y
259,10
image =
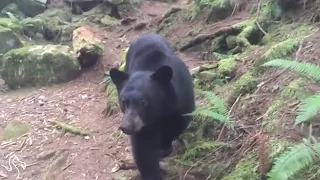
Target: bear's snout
x,y
131,122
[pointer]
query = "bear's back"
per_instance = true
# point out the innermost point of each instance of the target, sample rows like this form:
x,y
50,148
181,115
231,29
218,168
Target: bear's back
x,y
151,51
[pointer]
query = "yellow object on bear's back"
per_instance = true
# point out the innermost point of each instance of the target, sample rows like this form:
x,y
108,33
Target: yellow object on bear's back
x,y
123,59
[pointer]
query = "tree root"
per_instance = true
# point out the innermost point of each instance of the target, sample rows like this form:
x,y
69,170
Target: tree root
x,y
204,67
169,13
69,128
204,37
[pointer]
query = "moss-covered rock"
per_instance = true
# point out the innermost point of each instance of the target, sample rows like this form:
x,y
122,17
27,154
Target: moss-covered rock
x,y
246,83
109,21
39,65
227,66
13,9
220,9
14,129
9,40
282,49
52,25
89,48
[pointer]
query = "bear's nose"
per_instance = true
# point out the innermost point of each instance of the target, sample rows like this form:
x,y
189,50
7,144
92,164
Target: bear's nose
x,y
126,130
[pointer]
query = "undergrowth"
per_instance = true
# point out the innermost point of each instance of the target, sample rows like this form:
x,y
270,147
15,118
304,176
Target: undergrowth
x,y
302,155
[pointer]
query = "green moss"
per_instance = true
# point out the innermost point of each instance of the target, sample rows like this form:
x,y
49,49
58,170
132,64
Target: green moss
x,y
295,90
271,121
282,32
218,44
14,25
112,100
246,169
277,146
226,66
270,10
246,83
231,42
39,65
220,9
108,21
282,49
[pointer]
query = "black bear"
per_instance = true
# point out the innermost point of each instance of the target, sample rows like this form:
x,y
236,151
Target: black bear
x,y
155,92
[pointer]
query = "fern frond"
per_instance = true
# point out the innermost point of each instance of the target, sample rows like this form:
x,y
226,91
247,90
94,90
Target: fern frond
x,y
293,160
307,69
215,101
308,108
204,112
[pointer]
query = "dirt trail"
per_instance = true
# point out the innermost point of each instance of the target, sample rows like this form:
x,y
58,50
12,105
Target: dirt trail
x,y
79,103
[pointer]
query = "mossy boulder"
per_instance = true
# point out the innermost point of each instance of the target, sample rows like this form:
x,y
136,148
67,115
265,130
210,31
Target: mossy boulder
x,y
14,129
220,9
13,9
246,83
53,25
282,49
9,40
227,66
39,65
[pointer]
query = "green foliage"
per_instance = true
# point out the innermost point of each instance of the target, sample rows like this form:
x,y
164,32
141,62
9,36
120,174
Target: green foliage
x,y
308,108
215,110
308,69
295,159
201,148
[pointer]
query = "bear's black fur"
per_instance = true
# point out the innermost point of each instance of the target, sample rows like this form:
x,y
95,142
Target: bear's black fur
x,y
155,91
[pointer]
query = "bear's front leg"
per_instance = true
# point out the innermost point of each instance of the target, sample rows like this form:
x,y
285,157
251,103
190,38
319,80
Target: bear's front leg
x,y
146,153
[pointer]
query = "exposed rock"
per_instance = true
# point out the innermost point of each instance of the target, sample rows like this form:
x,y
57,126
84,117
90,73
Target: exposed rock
x,y
39,65
88,48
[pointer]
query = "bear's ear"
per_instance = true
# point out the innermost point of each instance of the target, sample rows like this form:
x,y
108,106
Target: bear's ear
x,y
118,77
163,74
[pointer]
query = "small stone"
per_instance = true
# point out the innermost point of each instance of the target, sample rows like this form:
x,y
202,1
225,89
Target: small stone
x,y
85,96
87,137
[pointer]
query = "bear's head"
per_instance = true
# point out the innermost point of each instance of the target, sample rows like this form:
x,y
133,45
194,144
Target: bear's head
x,y
143,96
